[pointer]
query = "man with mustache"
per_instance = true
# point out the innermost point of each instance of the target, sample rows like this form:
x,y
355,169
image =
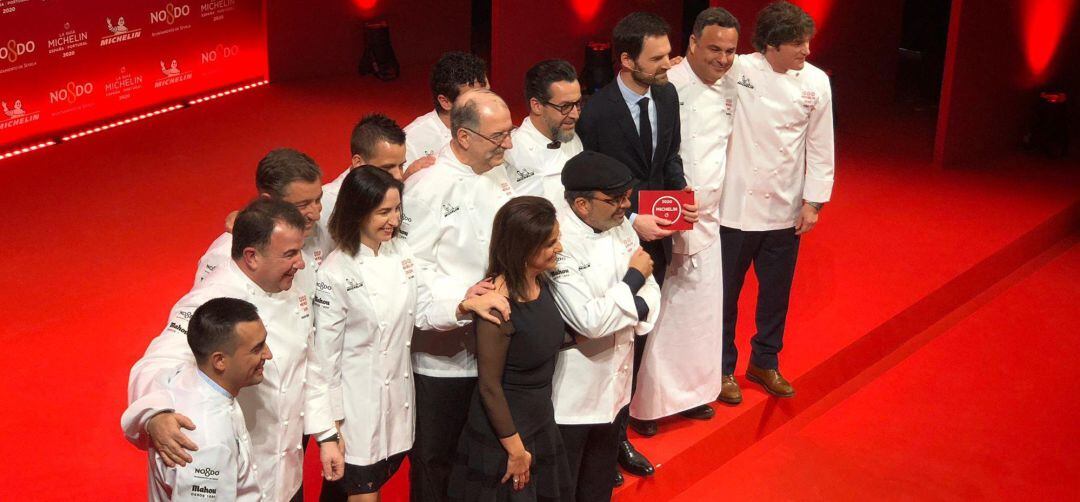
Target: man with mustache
x,y
780,175
546,138
635,120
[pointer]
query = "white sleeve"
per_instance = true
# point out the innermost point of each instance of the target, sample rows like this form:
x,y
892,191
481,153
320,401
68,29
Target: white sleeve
x,y
590,315
820,162
330,313
317,415
169,350
650,292
436,307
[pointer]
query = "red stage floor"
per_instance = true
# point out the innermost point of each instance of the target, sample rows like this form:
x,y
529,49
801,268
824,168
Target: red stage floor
x,y
105,233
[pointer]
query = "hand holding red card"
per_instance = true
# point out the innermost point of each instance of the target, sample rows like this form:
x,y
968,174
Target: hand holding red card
x,y
666,204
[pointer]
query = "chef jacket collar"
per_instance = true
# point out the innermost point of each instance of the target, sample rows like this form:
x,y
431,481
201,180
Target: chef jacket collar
x,y
251,286
577,226
218,390
448,157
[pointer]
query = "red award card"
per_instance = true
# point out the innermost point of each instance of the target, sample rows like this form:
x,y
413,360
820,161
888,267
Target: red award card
x,y
666,204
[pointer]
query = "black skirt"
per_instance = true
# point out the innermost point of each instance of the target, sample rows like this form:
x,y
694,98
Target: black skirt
x,y
481,464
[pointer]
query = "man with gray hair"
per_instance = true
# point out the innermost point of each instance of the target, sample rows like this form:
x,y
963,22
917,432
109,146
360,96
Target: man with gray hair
x,y
449,210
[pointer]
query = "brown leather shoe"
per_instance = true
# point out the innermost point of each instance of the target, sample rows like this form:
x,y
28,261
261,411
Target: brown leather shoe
x,y
773,382
729,391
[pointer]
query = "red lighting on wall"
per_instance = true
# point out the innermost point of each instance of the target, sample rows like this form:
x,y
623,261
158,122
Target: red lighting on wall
x,y
586,10
1044,24
818,9
26,149
365,5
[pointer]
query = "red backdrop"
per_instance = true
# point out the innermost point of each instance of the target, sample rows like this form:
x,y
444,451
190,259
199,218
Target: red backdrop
x,y
66,63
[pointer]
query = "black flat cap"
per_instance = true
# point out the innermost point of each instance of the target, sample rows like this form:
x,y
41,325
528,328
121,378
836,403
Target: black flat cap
x,y
588,171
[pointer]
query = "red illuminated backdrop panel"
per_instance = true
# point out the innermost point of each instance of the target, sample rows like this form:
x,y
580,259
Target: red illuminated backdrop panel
x,y
66,63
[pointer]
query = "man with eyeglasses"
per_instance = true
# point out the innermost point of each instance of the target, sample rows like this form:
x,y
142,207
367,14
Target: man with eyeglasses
x,y
606,292
449,210
546,138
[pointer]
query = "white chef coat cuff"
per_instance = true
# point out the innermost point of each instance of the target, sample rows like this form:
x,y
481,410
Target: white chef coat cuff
x,y
326,434
133,421
337,403
817,190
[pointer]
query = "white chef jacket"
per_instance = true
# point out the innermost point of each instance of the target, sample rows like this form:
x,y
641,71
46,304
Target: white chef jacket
x,y
220,253
222,468
448,213
782,147
330,193
425,135
535,169
707,114
276,410
592,379
365,309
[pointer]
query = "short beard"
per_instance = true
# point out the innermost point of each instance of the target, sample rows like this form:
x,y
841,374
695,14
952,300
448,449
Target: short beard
x,y
562,135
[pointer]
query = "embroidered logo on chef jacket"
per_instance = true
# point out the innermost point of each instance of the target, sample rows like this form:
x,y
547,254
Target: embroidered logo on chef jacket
x,y
318,256
207,473
351,284
583,266
185,315
631,243
506,188
745,82
202,492
523,174
447,209
176,326
305,307
322,287
729,106
407,266
809,99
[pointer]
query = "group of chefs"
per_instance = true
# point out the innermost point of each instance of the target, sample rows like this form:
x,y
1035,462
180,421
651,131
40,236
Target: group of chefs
x,y
305,325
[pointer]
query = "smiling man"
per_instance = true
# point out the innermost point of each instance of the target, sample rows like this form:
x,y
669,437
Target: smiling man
x,y
266,255
680,372
780,175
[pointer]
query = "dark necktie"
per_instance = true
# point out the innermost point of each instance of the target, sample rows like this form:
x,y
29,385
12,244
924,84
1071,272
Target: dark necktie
x,y
645,129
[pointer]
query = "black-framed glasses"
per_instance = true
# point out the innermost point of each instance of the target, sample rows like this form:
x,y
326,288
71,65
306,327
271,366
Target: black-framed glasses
x,y
496,139
565,108
616,202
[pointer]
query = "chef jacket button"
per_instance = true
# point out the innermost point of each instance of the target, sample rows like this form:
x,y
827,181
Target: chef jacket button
x,y
408,344
282,454
749,192
303,380
410,312
387,382
768,195
301,413
282,391
299,447
285,424
254,467
406,376
406,405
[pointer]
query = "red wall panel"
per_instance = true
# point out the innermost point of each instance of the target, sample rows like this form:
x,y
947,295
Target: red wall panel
x,y
66,63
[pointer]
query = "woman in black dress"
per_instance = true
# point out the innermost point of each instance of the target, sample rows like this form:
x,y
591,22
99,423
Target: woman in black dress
x,y
511,448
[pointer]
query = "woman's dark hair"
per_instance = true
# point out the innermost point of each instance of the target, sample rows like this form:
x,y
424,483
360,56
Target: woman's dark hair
x,y
361,193
521,228
781,23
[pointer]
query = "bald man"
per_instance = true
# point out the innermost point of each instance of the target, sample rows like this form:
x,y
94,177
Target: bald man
x,y
449,210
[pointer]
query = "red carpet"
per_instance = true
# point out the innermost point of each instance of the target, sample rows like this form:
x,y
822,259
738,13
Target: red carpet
x,y
982,412
104,234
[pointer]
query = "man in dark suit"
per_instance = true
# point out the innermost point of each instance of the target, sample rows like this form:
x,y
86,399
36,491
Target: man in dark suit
x,y
635,119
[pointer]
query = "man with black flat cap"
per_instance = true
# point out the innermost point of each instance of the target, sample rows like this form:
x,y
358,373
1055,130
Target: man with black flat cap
x,y
605,290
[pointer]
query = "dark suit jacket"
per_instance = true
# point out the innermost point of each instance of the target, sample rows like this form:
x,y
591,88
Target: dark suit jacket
x,y
606,126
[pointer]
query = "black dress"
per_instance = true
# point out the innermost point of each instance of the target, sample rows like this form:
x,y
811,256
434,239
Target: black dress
x,y
520,354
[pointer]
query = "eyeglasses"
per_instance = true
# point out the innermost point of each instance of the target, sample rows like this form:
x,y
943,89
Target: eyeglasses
x,y
565,108
616,202
496,139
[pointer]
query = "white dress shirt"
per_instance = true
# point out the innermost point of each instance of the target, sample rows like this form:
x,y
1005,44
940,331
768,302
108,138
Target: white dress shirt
x,y
707,115
425,135
365,310
782,147
220,253
222,468
277,410
592,379
535,169
448,213
632,98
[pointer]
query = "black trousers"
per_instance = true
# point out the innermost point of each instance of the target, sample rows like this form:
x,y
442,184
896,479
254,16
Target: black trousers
x,y
591,451
442,408
773,254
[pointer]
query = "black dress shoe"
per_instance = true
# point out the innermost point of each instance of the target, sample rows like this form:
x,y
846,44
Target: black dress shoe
x,y
703,412
646,428
633,462
618,478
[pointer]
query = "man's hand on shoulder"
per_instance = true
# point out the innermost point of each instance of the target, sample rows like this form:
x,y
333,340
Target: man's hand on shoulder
x,y
172,445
